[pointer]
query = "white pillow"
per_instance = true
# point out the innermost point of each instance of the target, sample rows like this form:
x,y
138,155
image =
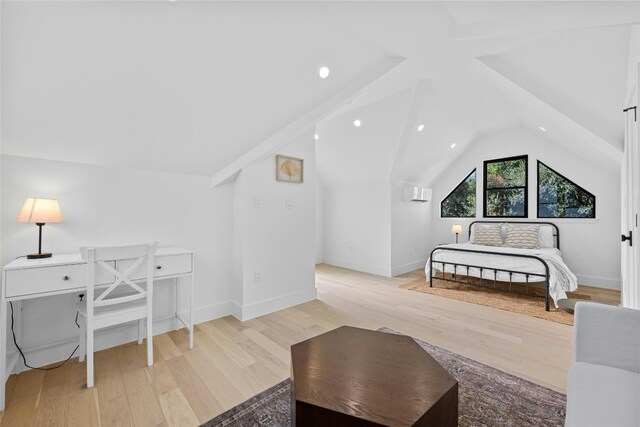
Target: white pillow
x,y
501,225
522,237
545,238
474,227
488,236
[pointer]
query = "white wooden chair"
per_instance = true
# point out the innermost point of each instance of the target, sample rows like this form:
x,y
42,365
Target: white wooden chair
x,y
105,309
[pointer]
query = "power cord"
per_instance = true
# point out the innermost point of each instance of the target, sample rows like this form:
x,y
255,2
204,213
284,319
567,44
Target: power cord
x,y
24,359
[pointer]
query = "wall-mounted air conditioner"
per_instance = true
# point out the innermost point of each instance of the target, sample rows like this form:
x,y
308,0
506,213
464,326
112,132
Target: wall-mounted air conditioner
x,y
413,193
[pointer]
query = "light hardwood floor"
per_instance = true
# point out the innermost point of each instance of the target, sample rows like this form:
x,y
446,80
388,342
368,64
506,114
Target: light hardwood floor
x,y
234,360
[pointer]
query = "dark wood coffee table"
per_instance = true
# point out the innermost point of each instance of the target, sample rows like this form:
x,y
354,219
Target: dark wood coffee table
x,y
357,377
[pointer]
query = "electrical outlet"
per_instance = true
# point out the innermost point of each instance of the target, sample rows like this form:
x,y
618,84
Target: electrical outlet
x,y
288,203
257,276
257,202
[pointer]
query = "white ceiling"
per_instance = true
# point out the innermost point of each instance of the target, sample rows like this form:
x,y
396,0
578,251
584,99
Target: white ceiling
x,y
361,154
173,86
493,66
194,86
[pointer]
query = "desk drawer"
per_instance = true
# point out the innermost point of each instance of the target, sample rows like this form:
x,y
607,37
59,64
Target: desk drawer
x,y
51,279
168,265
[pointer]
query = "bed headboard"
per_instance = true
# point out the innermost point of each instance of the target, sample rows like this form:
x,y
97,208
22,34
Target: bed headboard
x,y
556,230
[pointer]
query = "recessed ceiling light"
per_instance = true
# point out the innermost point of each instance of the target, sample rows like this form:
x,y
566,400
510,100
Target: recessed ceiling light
x,y
316,136
420,127
453,145
323,72
357,123
542,129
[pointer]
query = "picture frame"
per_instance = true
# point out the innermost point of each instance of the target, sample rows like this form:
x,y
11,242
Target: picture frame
x,y
289,169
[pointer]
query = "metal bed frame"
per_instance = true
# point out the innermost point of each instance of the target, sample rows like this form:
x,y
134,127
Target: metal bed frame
x,y
556,235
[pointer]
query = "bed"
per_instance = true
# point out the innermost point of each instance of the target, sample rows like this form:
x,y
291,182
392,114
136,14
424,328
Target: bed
x,y
491,262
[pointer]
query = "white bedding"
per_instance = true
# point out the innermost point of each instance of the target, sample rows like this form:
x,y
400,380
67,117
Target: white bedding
x,y
561,279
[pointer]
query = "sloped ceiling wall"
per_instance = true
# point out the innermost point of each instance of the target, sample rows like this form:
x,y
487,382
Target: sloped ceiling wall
x,y
489,66
192,87
182,87
582,73
361,154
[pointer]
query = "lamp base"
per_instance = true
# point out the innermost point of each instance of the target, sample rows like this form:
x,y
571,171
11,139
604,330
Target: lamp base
x,y
38,256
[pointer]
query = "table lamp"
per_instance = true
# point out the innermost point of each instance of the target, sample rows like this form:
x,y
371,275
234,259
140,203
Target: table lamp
x,y
40,211
456,229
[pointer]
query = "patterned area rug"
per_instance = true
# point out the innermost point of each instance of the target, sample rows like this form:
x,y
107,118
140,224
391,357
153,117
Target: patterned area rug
x,y
530,305
487,397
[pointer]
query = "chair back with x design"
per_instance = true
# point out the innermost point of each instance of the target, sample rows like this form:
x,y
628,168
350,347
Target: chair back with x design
x,y
103,256
110,307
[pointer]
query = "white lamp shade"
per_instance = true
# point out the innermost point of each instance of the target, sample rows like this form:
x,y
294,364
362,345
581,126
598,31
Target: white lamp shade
x,y
40,210
456,229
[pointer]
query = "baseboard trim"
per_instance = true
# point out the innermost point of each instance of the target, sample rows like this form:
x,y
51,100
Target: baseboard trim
x,y
599,282
212,312
359,266
410,266
236,309
270,305
57,351
53,352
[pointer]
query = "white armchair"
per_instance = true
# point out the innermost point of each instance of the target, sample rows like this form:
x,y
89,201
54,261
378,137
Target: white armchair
x,y
603,385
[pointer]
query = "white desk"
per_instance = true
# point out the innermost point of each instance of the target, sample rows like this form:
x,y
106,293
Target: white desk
x,y
67,273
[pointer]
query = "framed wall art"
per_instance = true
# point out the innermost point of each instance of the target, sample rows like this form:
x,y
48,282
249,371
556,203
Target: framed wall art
x,y
289,169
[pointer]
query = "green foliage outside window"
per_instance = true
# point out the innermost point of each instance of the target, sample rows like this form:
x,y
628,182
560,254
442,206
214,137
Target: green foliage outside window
x,y
461,202
558,197
505,187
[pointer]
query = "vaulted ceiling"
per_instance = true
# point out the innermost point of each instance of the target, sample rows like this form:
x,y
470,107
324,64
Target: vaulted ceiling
x,y
181,86
487,66
204,88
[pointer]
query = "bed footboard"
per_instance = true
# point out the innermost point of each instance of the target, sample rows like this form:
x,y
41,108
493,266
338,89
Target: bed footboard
x,y
485,268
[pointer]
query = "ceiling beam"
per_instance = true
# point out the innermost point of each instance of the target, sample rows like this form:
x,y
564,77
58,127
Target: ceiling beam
x,y
303,124
521,98
409,126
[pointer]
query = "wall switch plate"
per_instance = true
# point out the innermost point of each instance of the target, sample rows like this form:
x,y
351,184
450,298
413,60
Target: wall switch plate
x,y
257,276
257,202
288,203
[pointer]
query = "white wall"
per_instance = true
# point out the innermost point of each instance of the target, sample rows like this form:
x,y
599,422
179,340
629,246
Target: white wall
x,y
110,205
319,221
231,239
273,239
369,227
591,248
356,227
410,223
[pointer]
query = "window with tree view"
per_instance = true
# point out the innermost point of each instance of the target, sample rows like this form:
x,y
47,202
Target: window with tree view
x,y
559,197
461,202
505,187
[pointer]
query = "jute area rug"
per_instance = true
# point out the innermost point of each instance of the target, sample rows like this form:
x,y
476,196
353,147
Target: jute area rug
x,y
486,397
530,305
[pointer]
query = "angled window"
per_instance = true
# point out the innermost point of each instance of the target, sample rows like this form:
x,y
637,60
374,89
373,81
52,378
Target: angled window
x,y
461,202
505,187
559,197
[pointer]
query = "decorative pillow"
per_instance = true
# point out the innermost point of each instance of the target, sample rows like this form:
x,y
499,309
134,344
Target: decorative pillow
x,y
545,238
475,227
488,236
522,237
503,230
